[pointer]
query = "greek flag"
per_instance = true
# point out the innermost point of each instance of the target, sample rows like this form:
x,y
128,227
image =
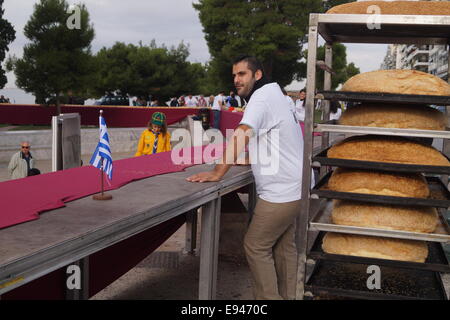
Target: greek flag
x,y
103,152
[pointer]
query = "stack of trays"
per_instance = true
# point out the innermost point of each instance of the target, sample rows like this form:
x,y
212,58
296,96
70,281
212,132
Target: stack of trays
x,y
384,207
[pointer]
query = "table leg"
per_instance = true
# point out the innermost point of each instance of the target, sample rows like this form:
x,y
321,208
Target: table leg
x,y
191,231
209,249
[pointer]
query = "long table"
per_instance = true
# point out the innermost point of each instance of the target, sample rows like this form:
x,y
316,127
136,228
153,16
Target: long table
x,y
71,234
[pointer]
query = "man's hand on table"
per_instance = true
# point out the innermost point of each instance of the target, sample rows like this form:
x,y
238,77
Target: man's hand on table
x,y
209,176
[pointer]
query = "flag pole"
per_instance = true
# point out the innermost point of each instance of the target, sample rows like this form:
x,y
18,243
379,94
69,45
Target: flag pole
x,y
102,196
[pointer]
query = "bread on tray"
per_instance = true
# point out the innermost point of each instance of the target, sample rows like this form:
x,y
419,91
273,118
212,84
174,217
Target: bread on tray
x,y
397,82
375,247
383,216
387,149
412,185
402,116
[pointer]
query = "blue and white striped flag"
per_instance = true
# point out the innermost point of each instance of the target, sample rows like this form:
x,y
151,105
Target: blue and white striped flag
x,y
103,151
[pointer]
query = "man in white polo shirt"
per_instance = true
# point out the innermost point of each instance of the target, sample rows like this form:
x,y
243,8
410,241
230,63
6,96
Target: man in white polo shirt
x,y
268,124
218,105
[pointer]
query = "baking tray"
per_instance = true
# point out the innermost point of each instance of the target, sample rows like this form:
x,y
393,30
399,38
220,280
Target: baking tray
x,y
322,222
439,195
384,97
436,260
322,159
333,126
346,279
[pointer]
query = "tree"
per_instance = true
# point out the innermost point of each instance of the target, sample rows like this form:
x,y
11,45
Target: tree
x,y
273,31
339,66
58,59
7,35
147,69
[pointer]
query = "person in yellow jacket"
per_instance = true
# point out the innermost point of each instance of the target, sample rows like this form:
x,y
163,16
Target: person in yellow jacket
x,y
155,138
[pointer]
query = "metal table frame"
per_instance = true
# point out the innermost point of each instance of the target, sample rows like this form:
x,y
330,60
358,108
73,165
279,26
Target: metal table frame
x,y
77,250
353,28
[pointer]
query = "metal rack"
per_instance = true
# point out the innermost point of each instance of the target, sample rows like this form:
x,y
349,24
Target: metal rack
x,y
315,220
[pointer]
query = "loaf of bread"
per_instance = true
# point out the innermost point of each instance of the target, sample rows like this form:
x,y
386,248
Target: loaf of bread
x,y
394,7
379,183
391,217
398,82
394,116
375,247
387,149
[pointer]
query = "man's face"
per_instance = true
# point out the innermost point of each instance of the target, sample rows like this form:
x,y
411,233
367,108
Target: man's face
x,y
244,79
25,148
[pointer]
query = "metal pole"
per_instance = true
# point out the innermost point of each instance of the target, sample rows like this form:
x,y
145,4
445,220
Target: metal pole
x,y
301,236
101,174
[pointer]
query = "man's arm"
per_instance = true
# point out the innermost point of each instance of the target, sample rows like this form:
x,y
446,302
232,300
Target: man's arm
x,y
237,144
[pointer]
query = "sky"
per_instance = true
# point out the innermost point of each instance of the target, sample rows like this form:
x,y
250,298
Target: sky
x,y
167,21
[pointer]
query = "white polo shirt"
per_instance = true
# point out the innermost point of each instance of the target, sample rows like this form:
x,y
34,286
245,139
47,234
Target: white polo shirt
x,y
216,105
191,102
276,147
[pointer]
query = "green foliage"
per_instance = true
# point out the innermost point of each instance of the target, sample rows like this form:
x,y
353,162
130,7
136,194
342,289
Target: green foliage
x,y
58,59
147,69
339,66
274,31
7,35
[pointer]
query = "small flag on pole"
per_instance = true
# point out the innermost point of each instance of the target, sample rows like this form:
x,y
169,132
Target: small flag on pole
x,y
101,158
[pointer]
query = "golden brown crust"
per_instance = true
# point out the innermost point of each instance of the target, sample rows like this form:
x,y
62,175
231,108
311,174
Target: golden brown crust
x,y
394,7
394,116
375,247
379,183
387,149
391,217
398,82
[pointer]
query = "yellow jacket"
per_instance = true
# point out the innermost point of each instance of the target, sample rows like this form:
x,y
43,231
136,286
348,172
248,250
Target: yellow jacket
x,y
145,145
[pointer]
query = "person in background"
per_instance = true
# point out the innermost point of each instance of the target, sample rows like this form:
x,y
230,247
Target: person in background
x,y
335,110
191,101
202,102
173,102
155,138
21,164
181,102
218,106
211,101
232,101
154,103
300,106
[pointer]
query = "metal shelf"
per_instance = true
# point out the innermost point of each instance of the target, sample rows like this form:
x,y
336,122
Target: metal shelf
x,y
436,260
383,97
341,278
439,195
322,159
322,222
350,280
401,29
332,126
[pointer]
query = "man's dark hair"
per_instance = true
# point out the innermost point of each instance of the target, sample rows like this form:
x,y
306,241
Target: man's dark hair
x,y
252,62
303,90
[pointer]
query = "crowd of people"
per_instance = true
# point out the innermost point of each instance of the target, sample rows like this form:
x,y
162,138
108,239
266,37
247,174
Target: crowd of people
x,y
230,101
3,99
